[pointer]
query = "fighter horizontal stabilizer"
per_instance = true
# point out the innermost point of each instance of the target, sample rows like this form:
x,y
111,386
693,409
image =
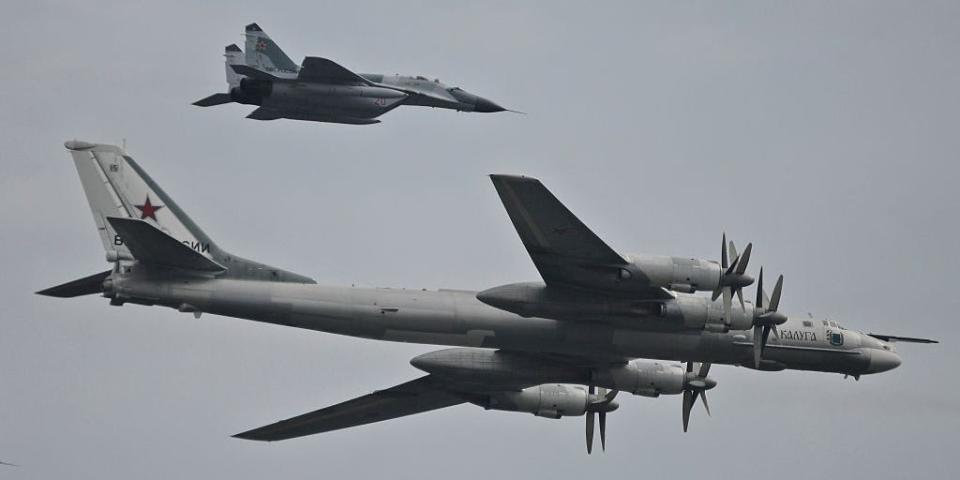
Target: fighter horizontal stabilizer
x,y
894,338
215,99
251,72
262,113
150,245
317,69
416,396
83,286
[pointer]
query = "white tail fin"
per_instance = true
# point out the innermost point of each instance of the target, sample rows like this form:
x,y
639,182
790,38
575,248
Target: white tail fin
x,y
264,54
233,56
118,190
117,187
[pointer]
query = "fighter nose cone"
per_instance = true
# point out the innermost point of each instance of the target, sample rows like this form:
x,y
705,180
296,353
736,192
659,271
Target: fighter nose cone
x,y
882,360
486,106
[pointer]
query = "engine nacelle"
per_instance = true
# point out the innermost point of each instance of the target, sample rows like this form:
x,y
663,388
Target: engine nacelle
x,y
680,274
700,313
640,377
550,401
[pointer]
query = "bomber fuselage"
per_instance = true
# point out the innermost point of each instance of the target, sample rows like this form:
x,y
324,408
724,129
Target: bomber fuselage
x,y
457,318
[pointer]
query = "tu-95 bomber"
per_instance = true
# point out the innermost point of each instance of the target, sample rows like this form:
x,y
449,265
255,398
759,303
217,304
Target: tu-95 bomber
x,y
598,323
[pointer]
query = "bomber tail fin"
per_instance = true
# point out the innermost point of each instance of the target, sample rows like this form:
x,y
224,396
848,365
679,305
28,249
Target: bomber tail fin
x,y
263,53
138,221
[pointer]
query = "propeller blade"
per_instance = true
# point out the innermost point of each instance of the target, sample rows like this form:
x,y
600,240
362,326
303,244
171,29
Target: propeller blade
x,y
706,405
733,253
775,299
727,306
723,252
759,303
590,419
704,370
757,346
603,431
743,306
687,404
766,335
744,260
610,396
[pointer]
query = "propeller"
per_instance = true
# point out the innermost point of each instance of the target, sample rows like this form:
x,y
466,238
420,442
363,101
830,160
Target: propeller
x,y
599,403
695,385
765,317
733,277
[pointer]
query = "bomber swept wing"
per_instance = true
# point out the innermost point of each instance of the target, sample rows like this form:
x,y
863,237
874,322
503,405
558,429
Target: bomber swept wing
x,y
564,250
416,396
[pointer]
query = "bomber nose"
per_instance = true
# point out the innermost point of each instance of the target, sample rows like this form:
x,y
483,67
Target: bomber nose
x,y
882,360
486,106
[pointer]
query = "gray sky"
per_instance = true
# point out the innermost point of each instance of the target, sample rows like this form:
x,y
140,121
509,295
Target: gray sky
x,y
824,132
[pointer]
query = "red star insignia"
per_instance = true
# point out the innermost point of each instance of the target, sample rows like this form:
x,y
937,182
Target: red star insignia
x,y
148,210
261,45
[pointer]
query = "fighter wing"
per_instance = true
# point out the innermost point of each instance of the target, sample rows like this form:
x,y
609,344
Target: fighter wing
x,y
561,246
420,395
317,69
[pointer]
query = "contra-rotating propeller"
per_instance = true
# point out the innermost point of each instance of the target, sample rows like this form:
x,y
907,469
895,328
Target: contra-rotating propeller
x,y
765,317
696,385
599,404
733,277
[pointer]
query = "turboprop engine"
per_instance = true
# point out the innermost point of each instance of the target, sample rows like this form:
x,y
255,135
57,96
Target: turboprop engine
x,y
683,312
551,401
546,387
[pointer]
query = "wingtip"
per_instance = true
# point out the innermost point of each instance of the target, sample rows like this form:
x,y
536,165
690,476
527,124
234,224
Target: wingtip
x,y
504,177
78,145
249,435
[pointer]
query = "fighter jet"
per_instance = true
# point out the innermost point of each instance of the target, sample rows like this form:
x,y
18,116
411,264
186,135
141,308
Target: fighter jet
x,y
561,347
320,90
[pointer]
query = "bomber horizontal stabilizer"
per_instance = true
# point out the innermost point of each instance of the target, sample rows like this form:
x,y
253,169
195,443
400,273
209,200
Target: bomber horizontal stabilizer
x,y
317,69
215,99
83,286
150,245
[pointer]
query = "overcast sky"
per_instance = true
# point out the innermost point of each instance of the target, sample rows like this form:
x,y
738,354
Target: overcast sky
x,y
824,132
